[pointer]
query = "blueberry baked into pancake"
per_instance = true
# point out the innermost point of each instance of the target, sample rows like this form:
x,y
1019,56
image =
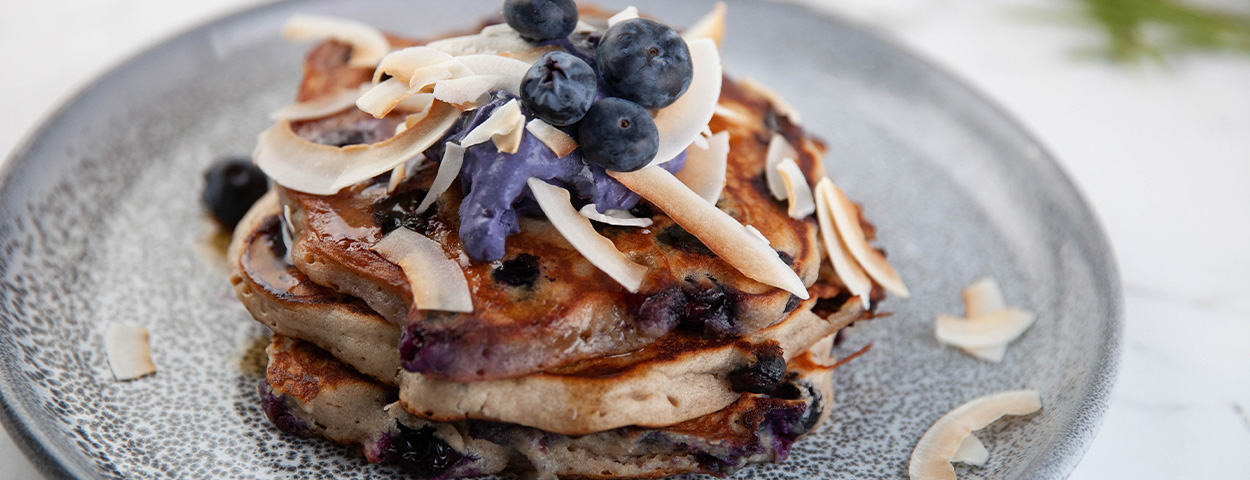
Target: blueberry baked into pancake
x,y
565,245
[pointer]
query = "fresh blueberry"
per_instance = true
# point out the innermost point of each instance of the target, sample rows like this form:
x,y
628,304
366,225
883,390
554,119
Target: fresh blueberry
x,y
231,186
559,88
521,271
422,453
760,377
646,62
618,135
538,20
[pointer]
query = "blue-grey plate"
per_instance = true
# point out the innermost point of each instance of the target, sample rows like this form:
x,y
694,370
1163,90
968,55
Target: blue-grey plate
x,y
100,222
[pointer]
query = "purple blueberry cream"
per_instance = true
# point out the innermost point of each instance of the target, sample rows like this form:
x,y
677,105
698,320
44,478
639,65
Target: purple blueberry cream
x,y
567,245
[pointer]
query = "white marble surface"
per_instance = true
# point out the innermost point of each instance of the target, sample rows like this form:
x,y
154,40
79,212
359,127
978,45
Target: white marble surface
x,y
1162,154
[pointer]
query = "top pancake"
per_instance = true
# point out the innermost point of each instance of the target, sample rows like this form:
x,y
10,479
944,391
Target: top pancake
x,y
570,311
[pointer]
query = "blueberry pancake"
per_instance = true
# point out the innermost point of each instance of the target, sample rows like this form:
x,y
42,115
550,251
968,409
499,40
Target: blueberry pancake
x,y
566,245
308,392
678,378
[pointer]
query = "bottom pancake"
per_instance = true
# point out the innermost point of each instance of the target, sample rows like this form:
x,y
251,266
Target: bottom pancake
x,y
308,392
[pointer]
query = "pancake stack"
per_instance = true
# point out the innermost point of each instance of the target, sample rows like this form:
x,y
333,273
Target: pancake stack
x,y
558,369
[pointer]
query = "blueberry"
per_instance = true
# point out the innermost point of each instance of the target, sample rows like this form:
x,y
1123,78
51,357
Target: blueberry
x,y
538,20
521,271
422,453
559,88
760,377
618,135
645,61
231,186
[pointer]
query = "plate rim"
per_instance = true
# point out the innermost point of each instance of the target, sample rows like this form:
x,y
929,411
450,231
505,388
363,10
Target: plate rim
x,y
1056,464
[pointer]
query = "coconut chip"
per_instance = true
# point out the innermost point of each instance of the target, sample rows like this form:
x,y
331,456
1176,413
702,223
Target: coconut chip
x,y
981,298
628,13
402,63
555,203
437,281
397,176
856,281
448,169
559,142
779,103
322,106
467,93
931,460
298,164
971,452
129,355
369,45
705,167
779,150
383,97
494,39
990,330
715,228
711,26
505,127
797,190
619,218
680,123
846,219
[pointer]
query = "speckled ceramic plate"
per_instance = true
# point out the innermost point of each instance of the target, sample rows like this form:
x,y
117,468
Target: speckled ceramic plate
x,y
100,222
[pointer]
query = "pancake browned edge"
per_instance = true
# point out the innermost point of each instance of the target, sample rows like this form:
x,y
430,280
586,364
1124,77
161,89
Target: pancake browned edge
x,y
308,392
679,377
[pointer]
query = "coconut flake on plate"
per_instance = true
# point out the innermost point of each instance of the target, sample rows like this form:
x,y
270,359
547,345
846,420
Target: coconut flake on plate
x,y
705,167
710,26
369,45
797,190
971,452
129,355
298,164
715,228
555,203
779,150
322,106
846,219
989,330
931,460
619,218
505,127
779,103
981,298
437,282
494,39
680,123
448,169
629,13
851,274
559,142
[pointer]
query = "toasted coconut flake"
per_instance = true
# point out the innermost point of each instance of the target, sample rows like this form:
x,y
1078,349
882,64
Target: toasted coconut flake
x,y
511,69
990,330
758,234
437,281
983,297
711,26
397,176
715,228
931,460
467,91
128,353
846,218
383,97
989,354
779,150
843,265
532,55
731,115
555,203
402,63
971,451
779,103
448,169
299,164
680,123
322,106
629,13
418,105
502,127
797,190
559,142
620,218
705,167
369,45
494,39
